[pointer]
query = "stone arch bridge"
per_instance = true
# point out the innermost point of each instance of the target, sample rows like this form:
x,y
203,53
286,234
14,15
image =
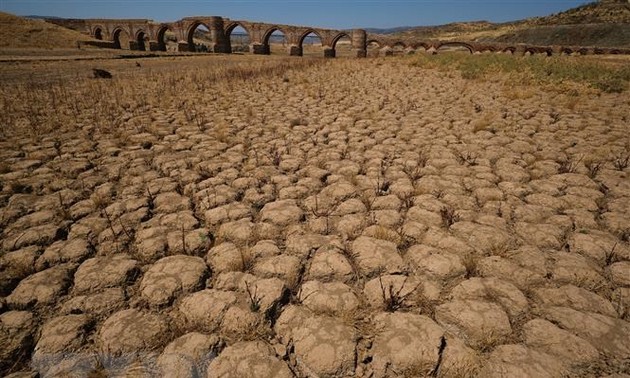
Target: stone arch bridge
x,y
144,34
148,35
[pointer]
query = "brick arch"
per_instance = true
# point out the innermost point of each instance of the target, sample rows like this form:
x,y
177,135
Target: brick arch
x,y
399,44
374,47
338,37
190,32
424,45
511,49
539,50
160,36
267,34
395,48
233,25
530,50
229,29
462,44
97,31
583,51
306,33
140,39
116,32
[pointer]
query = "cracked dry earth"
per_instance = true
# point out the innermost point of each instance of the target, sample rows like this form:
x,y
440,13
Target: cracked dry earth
x,y
349,219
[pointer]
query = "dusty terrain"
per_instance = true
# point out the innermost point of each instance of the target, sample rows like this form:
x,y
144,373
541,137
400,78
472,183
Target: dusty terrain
x,y
276,217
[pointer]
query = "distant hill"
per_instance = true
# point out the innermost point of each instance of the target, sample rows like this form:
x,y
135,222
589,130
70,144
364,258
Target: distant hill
x,y
444,31
19,32
604,23
389,30
600,12
36,17
601,35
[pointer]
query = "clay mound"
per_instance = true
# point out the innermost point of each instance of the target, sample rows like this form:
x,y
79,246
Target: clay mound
x,y
19,32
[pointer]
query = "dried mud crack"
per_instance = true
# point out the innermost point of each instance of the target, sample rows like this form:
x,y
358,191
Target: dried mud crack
x,y
236,216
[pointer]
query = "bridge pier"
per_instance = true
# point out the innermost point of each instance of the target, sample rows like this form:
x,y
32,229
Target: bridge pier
x,y
156,46
137,46
260,49
295,50
359,43
220,43
329,52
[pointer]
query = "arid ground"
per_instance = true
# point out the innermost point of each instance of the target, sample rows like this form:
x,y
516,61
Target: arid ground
x,y
248,216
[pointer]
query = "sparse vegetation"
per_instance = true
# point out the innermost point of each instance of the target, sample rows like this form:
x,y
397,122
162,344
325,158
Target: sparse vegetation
x,y
254,299
470,262
449,216
533,70
442,192
394,299
593,167
621,160
568,165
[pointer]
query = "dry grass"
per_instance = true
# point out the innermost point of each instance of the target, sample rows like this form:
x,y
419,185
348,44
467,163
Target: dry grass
x,y
60,104
18,32
244,131
606,76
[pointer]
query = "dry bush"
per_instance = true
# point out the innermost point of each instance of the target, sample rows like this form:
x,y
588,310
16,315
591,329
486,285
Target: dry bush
x,y
449,216
466,158
414,170
488,342
593,167
621,160
253,297
568,165
384,233
394,299
470,262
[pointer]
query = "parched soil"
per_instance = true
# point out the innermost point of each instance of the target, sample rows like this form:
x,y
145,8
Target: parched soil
x,y
310,218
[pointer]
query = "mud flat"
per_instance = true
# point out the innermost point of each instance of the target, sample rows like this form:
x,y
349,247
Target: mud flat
x,y
241,216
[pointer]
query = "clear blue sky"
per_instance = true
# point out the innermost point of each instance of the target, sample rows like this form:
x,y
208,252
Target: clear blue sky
x,y
322,13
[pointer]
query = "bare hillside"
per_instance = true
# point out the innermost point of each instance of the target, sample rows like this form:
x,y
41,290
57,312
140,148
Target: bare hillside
x,y
18,32
602,23
600,12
